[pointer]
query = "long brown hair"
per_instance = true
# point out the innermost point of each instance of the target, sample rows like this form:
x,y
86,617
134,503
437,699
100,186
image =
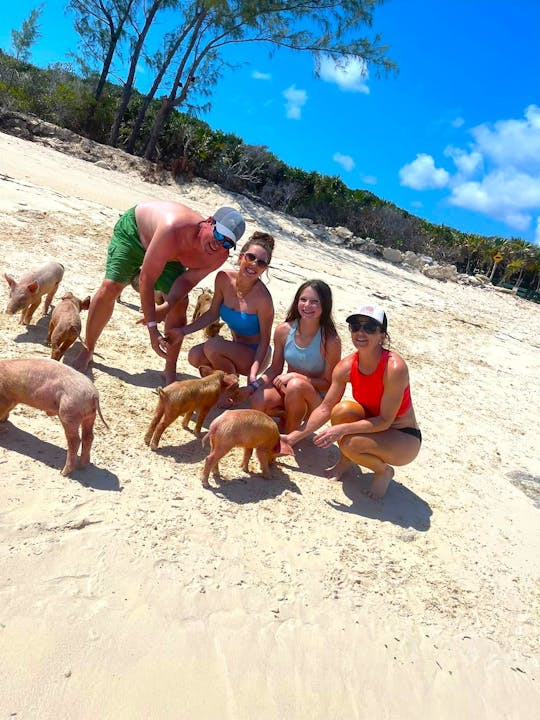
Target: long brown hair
x,y
326,320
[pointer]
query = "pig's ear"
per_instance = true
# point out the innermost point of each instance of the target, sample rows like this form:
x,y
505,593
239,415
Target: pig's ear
x,y
85,304
231,380
205,370
33,286
10,281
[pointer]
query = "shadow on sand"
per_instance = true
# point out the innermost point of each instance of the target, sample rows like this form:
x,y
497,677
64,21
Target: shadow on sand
x,y
399,506
24,443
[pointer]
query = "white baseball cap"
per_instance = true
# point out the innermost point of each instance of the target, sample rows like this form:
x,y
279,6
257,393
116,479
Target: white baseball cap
x,y
373,311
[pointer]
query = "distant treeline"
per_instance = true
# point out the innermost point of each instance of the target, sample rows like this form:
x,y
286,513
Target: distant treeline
x,y
189,147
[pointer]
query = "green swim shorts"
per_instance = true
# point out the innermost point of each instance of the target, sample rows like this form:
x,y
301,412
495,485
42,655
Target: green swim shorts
x,y
126,253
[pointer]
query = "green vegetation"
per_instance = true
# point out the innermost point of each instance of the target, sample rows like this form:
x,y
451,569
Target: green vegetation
x,y
86,102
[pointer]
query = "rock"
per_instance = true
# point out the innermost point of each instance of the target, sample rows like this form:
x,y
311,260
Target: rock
x,y
393,255
441,272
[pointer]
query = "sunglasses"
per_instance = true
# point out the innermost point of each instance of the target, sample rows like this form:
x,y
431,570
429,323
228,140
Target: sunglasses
x,y
368,326
227,243
250,257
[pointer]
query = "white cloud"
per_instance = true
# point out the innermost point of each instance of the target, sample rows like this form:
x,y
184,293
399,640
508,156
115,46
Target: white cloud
x,y
504,194
350,74
421,174
537,233
370,180
497,175
346,161
260,76
512,142
296,99
458,122
467,163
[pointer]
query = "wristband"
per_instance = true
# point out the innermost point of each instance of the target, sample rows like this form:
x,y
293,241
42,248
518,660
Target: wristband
x,y
256,384
151,323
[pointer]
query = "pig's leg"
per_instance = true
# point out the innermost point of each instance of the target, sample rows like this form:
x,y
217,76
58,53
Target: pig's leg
x,y
27,313
155,419
73,442
203,412
87,428
50,332
212,462
187,418
5,408
48,300
246,459
167,418
265,457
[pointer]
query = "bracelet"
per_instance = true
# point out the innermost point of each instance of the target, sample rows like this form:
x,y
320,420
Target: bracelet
x,y
151,323
256,384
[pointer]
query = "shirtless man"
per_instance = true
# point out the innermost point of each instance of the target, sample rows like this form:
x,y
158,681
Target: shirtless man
x,y
175,248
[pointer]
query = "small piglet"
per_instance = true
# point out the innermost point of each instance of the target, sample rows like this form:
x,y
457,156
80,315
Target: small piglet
x,y
249,429
58,390
65,324
183,398
26,294
202,305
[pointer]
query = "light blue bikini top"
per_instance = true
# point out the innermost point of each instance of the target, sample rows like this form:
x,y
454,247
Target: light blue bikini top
x,y
241,323
309,359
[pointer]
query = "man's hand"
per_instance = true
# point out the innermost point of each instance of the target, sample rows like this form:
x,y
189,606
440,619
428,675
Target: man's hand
x,y
158,342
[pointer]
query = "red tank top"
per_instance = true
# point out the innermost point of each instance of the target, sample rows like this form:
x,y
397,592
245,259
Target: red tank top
x,y
368,389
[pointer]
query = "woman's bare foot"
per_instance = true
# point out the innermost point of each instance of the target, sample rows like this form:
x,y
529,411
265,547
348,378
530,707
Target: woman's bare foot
x,y
83,360
336,471
379,484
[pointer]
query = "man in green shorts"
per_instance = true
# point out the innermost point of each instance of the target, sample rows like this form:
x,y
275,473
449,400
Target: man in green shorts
x,y
174,248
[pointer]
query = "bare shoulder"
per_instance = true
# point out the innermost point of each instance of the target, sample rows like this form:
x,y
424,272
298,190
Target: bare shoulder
x,y
281,332
342,370
397,367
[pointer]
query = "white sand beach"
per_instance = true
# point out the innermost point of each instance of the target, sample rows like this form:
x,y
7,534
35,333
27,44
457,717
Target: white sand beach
x,y
128,591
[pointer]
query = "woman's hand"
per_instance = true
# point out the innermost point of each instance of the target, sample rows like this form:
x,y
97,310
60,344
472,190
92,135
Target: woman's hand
x,y
330,435
280,382
175,336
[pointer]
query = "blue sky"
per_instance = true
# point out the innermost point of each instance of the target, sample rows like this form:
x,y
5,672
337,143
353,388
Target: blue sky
x,y
454,137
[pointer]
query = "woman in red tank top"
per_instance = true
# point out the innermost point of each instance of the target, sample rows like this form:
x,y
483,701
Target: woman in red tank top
x,y
377,429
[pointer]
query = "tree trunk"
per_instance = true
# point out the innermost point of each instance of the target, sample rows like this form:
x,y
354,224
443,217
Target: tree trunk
x,y
128,85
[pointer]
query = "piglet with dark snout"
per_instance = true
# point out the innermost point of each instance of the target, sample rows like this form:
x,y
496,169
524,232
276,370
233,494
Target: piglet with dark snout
x,y
65,324
184,397
248,429
57,389
26,294
204,301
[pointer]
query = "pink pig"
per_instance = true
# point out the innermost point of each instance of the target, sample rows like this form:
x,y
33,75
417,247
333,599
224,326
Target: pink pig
x,y
249,429
58,390
26,294
65,324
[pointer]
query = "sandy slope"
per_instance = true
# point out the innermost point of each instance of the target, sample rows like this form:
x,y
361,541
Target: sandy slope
x,y
126,591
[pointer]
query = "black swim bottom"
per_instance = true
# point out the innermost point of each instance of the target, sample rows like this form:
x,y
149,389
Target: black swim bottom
x,y
415,432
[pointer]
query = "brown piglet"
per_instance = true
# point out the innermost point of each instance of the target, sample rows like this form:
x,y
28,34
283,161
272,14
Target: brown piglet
x,y
248,429
202,305
57,389
65,324
26,294
184,397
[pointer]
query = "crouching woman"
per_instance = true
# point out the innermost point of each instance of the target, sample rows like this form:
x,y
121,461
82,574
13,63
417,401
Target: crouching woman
x,y
377,430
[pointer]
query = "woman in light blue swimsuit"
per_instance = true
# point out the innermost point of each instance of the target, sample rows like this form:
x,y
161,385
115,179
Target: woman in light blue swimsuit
x,y
244,303
308,342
